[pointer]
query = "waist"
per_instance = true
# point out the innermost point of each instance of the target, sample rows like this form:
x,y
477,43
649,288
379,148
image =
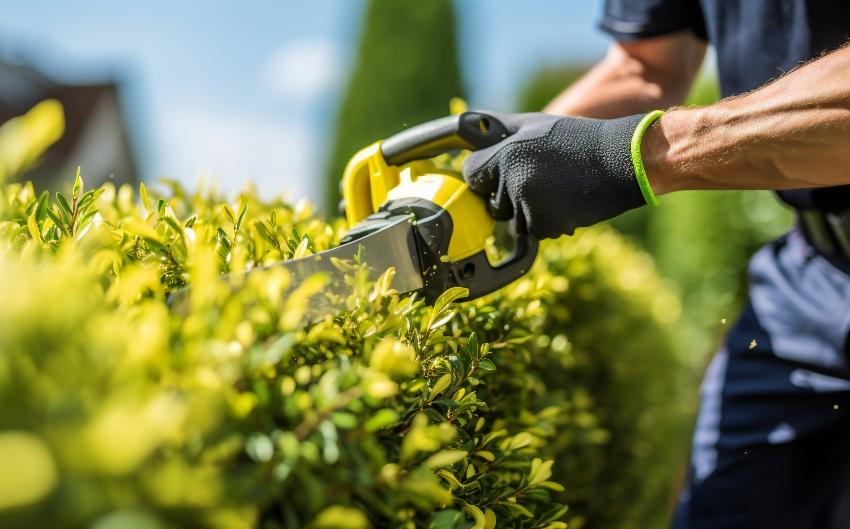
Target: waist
x,y
828,232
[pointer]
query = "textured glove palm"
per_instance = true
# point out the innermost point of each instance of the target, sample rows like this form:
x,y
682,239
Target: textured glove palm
x,y
555,174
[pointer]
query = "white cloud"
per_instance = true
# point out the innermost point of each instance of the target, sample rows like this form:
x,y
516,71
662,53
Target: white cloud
x,y
279,157
303,70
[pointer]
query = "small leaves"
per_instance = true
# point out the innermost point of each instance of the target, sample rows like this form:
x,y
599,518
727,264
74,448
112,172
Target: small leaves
x,y
441,385
445,458
242,212
341,517
477,515
394,358
386,391
78,185
487,364
63,203
143,192
35,231
540,471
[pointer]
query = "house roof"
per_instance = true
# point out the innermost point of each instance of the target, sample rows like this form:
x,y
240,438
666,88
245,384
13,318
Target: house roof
x,y
22,86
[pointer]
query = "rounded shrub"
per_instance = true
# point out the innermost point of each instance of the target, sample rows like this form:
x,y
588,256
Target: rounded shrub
x,y
235,409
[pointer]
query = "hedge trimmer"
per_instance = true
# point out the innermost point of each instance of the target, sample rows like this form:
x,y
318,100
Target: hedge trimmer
x,y
405,213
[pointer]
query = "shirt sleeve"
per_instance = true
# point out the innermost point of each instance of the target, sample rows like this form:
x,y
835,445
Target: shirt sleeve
x,y
637,19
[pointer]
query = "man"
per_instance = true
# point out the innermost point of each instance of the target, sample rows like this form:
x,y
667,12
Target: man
x,y
772,441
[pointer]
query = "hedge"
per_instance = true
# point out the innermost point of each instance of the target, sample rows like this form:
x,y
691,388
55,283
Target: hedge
x,y
116,411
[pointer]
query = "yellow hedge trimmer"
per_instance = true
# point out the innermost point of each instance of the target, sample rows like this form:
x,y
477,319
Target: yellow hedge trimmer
x,y
405,213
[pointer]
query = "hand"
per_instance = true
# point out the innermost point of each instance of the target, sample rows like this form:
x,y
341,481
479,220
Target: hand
x,y
555,174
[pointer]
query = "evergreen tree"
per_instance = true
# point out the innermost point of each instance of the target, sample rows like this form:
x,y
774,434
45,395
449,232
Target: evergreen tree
x,y
406,71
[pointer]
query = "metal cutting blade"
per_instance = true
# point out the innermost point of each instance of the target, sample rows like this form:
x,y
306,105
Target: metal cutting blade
x,y
391,246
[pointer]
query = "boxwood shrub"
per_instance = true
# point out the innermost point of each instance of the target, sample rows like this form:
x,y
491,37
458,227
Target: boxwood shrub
x,y
118,411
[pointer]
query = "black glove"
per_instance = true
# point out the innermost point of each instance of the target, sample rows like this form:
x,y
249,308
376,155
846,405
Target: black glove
x,y
555,174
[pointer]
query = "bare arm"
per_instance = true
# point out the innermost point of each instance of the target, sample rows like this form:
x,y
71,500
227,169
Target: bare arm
x,y
791,133
634,77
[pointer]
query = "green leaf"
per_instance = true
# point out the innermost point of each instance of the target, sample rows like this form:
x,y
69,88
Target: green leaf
x,y
516,508
83,222
263,231
41,206
447,519
173,224
540,471
34,230
228,213
442,383
520,440
381,419
472,346
486,364
477,515
241,217
445,458
340,517
57,221
223,239
551,485
78,185
448,297
344,420
143,192
444,318
486,455
63,203
143,229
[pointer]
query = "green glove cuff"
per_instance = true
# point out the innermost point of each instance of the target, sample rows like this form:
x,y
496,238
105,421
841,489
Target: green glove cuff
x,y
637,157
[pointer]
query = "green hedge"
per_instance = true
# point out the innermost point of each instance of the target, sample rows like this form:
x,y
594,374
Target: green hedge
x,y
118,412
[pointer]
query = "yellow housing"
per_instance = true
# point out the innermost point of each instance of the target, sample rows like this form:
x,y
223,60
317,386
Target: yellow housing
x,y
368,182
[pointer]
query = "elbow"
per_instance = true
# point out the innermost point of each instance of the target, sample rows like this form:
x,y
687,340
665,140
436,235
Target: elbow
x,y
651,78
654,87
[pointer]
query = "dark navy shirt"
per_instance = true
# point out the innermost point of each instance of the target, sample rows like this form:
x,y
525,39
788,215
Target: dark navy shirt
x,y
755,40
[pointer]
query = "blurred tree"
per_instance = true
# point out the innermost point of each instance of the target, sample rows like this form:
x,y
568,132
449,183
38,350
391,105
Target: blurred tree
x,y
546,84
406,70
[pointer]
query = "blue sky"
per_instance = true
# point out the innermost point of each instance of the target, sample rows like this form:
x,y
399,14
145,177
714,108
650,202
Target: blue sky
x,y
248,90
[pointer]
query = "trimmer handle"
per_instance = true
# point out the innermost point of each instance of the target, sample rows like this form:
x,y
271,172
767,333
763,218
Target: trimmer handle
x,y
469,130
453,222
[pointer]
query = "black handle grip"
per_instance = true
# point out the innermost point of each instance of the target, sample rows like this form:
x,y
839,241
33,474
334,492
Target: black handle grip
x,y
489,278
469,130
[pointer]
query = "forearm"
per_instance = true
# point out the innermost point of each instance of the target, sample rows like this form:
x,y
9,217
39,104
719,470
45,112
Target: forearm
x,y
615,87
634,77
792,133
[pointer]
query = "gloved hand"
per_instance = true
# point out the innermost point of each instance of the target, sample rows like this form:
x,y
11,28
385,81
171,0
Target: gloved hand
x,y
555,174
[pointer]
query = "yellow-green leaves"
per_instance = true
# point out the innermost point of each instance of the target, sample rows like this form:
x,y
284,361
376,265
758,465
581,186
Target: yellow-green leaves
x,y
445,458
440,385
24,139
425,437
29,470
394,358
441,312
32,226
477,515
340,517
